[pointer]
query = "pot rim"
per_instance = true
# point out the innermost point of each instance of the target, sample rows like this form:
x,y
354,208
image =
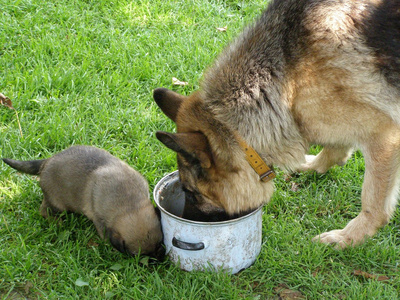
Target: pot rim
x,y
156,196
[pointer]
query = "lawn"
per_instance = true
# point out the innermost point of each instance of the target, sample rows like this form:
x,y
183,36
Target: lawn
x,y
82,72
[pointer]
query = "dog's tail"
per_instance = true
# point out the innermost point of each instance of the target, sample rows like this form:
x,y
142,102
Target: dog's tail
x,y
32,167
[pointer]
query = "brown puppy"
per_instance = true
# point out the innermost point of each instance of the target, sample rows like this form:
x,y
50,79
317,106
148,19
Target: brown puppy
x,y
307,72
114,196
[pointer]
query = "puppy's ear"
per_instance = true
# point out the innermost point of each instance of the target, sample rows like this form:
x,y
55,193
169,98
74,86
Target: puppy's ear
x,y
194,144
168,101
116,240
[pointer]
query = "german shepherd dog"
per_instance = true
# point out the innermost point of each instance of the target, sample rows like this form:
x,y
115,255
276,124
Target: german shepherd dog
x,y
306,72
88,180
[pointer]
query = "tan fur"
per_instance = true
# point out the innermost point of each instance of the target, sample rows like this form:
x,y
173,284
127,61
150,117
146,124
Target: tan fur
x,y
113,195
325,79
227,169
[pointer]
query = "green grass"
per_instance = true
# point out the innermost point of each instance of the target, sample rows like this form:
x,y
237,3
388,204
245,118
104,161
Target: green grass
x,y
82,72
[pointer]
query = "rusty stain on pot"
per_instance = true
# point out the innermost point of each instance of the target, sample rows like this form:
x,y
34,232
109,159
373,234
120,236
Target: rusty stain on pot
x,y
229,245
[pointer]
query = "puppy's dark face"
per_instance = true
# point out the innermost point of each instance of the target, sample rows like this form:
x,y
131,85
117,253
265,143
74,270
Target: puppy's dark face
x,y
119,243
138,233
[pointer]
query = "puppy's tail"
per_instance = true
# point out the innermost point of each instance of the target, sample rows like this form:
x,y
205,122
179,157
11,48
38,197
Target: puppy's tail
x,y
32,167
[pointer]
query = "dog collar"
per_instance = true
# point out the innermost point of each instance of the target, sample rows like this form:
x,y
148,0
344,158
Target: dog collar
x,y
257,163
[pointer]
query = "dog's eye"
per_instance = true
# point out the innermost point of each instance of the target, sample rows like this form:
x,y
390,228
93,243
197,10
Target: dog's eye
x,y
185,189
190,196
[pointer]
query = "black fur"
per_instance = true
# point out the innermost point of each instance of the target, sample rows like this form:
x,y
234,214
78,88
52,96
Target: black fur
x,y
32,167
382,31
191,212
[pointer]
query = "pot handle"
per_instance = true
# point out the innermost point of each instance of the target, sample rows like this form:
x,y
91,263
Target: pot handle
x,y
187,246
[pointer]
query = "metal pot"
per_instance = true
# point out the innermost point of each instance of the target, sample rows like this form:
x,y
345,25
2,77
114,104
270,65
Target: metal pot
x,y
229,245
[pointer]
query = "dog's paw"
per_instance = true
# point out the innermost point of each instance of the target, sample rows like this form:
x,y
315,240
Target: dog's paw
x,y
307,165
336,238
355,232
312,164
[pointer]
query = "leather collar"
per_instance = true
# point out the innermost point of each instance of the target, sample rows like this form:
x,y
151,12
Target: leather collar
x,y
265,172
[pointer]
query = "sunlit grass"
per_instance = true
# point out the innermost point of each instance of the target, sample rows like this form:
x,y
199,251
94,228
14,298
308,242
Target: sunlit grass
x,y
83,72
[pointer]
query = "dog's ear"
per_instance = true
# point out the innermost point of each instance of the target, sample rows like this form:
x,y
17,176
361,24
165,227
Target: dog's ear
x,y
194,144
168,101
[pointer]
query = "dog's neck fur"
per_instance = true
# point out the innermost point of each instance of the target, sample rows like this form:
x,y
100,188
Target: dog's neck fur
x,y
257,93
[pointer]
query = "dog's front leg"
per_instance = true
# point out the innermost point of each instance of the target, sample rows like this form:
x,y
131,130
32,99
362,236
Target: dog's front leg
x,y
379,191
327,158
